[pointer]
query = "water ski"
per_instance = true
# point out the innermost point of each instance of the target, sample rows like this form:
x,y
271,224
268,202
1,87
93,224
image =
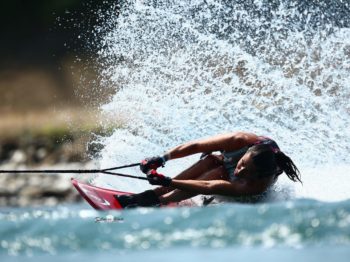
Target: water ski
x,y
104,199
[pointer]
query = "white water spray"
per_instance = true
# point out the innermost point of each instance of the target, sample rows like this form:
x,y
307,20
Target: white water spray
x,y
190,69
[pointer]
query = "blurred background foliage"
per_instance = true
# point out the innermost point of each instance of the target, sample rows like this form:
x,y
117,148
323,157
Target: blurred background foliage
x,y
48,76
46,53
37,31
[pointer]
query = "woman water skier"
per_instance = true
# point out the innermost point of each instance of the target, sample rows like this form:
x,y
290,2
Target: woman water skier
x,y
247,166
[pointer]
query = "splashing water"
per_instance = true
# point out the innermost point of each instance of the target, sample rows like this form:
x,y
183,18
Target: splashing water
x,y
190,69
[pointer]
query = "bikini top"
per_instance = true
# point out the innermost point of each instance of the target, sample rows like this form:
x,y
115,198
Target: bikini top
x,y
231,158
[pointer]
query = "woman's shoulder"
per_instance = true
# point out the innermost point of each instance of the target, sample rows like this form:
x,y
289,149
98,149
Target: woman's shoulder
x,y
246,138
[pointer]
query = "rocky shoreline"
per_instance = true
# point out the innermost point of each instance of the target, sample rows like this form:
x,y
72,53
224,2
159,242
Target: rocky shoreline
x,y
22,190
42,152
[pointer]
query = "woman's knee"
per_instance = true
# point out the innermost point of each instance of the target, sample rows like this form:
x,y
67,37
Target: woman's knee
x,y
207,163
212,161
216,173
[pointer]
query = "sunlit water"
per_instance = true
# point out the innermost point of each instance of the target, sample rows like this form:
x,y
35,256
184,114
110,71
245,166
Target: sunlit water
x,y
299,228
184,70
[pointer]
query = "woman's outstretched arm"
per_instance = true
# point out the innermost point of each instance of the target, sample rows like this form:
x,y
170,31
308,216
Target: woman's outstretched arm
x,y
227,142
215,187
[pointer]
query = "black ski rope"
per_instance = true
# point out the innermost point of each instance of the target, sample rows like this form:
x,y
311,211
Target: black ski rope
x,y
106,171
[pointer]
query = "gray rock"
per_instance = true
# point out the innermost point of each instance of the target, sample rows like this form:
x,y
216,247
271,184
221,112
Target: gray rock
x,y
18,157
36,189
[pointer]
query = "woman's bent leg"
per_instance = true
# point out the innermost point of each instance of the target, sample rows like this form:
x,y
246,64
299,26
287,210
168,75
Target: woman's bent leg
x,y
179,195
194,172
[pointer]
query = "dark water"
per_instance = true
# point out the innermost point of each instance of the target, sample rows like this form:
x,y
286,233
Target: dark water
x,y
303,228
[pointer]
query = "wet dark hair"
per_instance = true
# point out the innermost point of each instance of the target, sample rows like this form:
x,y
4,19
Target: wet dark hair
x,y
269,162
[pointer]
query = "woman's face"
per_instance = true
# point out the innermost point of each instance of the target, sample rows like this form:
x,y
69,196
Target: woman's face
x,y
245,167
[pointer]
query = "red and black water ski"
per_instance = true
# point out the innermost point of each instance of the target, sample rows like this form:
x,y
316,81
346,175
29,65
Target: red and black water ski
x,y
104,199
